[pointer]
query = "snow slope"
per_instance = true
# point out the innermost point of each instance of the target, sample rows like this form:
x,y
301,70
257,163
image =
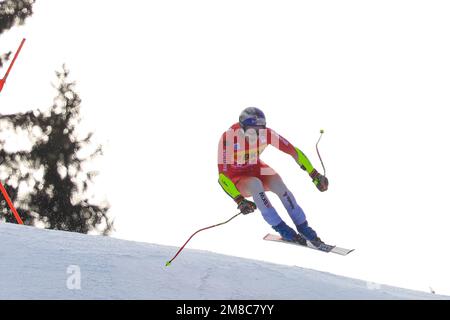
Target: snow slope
x,y
34,265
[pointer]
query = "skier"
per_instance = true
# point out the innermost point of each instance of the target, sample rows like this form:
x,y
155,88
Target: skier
x,y
243,174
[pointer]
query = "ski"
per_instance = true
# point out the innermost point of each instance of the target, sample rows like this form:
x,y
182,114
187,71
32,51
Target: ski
x,y
323,247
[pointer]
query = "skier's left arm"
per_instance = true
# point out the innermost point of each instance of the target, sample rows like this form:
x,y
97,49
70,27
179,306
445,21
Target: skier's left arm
x,y
302,160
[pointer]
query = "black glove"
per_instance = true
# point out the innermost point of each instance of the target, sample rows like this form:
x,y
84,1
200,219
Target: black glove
x,y
319,180
244,205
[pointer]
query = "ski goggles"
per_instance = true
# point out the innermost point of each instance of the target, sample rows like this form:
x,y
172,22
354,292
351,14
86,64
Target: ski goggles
x,y
254,127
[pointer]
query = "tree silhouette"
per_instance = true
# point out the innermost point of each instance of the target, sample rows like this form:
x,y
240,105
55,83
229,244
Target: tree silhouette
x,y
12,13
49,182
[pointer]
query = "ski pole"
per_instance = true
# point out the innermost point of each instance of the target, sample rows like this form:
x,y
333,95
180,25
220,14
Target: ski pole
x,y
182,247
318,153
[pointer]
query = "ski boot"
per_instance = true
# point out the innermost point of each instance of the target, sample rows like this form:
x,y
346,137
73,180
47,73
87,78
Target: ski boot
x,y
288,234
309,234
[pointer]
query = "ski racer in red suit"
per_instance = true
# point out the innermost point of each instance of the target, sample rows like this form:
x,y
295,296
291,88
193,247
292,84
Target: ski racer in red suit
x,y
243,174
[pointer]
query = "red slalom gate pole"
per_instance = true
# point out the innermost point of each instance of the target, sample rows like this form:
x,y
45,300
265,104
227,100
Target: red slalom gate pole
x,y
182,247
3,81
10,204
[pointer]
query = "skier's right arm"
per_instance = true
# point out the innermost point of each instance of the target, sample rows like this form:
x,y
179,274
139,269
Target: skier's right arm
x,y
244,205
228,186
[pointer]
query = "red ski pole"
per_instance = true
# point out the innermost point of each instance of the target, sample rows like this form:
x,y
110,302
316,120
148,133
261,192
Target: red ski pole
x,y
182,247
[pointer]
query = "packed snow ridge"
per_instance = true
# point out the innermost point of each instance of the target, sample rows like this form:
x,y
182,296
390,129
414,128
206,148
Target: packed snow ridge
x,y
47,264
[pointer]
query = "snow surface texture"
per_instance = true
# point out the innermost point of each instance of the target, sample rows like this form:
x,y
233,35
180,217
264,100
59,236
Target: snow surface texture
x,y
36,264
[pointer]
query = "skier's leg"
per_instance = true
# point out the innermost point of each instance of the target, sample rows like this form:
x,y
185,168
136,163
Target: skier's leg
x,y
254,186
275,184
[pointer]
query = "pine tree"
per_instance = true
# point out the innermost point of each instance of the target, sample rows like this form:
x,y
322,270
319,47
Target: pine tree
x,y
52,172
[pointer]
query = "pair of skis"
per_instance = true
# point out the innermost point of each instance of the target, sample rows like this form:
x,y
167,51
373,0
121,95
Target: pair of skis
x,y
322,247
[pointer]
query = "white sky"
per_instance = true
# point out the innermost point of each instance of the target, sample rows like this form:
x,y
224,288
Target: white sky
x,y
161,80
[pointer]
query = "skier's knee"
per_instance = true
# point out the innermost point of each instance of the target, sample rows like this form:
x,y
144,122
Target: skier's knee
x,y
277,186
255,185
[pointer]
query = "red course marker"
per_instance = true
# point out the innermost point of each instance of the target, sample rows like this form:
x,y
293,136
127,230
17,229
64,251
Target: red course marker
x,y
2,81
10,204
2,189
